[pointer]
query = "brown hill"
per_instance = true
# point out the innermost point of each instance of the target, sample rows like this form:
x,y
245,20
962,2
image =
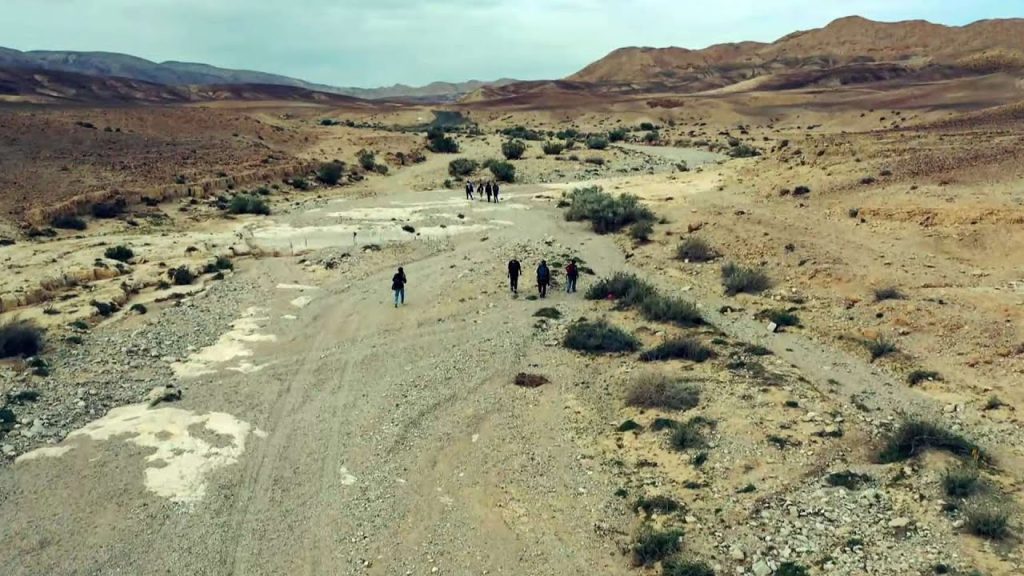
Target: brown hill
x,y
981,47
22,85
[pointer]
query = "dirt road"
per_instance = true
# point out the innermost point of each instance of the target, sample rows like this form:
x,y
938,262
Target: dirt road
x,y
330,433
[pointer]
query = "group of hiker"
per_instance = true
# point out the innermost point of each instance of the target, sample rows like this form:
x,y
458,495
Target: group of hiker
x,y
488,188
515,270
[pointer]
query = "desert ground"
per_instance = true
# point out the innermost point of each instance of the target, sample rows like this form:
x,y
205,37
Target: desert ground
x,y
276,414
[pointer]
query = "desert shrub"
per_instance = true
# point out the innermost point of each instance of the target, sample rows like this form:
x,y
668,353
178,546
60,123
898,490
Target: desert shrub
x,y
300,184
792,569
606,213
743,151
367,159
595,160
695,250
658,308
69,222
880,347
660,391
652,137
740,279
525,380
181,276
553,148
503,171
918,376
687,436
987,519
681,567
109,209
994,403
567,134
847,479
381,169
617,135
330,173
597,143
653,546
549,313
461,167
20,338
961,481
656,504
119,253
599,337
139,308
627,289
647,126
679,349
513,149
440,143
888,293
522,133
247,204
780,317
913,437
641,231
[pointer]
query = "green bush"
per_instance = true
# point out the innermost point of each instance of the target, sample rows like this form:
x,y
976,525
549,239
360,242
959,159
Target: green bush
x,y
780,317
656,504
679,349
987,519
695,250
660,391
367,159
740,279
549,313
223,263
119,253
743,151
553,148
513,149
653,546
248,204
181,276
791,569
658,308
503,171
300,184
440,143
20,338
918,376
888,293
597,143
111,209
641,231
461,167
961,481
687,436
330,173
680,567
69,222
522,133
914,437
647,126
599,337
626,289
605,212
652,137
617,135
880,347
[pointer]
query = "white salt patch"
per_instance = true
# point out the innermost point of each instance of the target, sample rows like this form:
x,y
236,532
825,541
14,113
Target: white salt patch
x,y
300,287
47,452
347,479
232,345
301,301
289,317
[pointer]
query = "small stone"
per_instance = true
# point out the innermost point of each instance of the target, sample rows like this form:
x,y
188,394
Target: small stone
x,y
761,568
899,523
737,554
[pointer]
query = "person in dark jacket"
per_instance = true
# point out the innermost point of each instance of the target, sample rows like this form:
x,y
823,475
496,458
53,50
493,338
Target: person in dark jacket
x,y
495,188
488,188
398,285
480,189
543,278
572,273
514,270
469,189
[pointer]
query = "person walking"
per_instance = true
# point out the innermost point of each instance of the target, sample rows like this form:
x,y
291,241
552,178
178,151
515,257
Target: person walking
x,y
572,273
514,270
488,190
480,189
495,188
469,189
398,282
543,278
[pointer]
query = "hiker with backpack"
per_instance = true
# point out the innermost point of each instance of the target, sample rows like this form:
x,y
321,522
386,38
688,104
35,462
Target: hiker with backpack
x,y
398,282
495,189
543,278
514,270
572,273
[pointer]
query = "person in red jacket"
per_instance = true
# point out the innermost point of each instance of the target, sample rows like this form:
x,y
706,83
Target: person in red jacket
x,y
572,273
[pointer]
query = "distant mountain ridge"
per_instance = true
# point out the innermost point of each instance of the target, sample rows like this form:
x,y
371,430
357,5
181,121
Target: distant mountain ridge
x,y
171,73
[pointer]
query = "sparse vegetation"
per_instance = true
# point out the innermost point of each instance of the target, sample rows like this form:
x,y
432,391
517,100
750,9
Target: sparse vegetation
x,y
617,135
522,133
679,349
599,337
888,293
119,253
595,160
20,338
656,505
440,143
680,567
513,149
847,479
109,209
743,151
367,159
181,276
658,308
626,289
606,213
300,184
687,436
503,171
780,317
597,143
641,231
695,250
918,376
653,546
791,569
987,519
461,167
549,313
914,437
660,391
553,148
330,173
139,309
525,380
961,481
248,204
69,222
740,279
880,347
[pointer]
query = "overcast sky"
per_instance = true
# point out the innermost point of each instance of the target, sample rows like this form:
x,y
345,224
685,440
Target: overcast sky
x,y
371,43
